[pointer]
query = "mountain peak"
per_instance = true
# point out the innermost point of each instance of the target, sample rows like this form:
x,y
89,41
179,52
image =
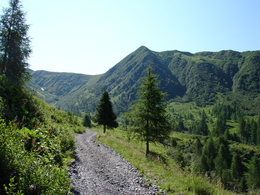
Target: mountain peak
x,y
142,48
198,77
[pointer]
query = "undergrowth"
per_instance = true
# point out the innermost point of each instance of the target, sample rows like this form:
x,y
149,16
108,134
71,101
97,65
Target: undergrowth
x,y
36,148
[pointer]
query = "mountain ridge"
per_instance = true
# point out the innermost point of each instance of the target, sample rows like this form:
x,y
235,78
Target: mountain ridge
x,y
198,77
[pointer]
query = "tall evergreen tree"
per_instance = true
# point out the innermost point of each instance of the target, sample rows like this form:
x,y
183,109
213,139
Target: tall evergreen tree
x,y
203,164
258,131
86,121
227,135
226,152
253,179
203,124
253,133
220,127
180,125
237,168
148,115
220,161
105,115
242,129
198,147
209,151
14,44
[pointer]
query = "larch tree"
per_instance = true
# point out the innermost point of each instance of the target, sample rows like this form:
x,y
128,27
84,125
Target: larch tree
x,y
148,117
105,115
14,44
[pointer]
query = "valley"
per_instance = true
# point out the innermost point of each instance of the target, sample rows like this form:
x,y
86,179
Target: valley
x,y
177,122
212,105
201,77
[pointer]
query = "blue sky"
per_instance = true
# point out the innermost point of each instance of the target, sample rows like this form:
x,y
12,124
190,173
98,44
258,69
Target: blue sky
x,y
90,37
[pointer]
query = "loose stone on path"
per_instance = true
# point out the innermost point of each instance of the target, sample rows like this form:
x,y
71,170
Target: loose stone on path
x,y
99,170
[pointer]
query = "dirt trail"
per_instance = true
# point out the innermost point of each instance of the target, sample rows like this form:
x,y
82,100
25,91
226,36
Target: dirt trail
x,y
100,170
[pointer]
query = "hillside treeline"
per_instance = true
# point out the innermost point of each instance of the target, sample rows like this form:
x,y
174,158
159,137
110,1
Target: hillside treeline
x,y
202,77
224,145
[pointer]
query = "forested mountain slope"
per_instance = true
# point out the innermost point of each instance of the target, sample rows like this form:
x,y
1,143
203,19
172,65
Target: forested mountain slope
x,y
198,77
52,86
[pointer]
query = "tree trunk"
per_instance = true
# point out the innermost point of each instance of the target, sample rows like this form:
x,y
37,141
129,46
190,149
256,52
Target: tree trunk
x,y
147,138
104,131
147,147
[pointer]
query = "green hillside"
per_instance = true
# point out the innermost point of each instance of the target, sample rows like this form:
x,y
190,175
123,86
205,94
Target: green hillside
x,y
52,86
36,143
207,137
199,77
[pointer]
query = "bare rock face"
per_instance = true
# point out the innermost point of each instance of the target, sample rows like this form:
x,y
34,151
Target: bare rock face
x,y
100,170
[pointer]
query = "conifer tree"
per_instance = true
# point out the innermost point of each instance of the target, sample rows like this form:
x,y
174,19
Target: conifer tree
x,y
203,127
86,121
203,164
180,125
209,151
253,133
220,161
253,179
198,147
220,127
237,168
258,132
242,130
227,135
14,44
148,115
105,115
226,152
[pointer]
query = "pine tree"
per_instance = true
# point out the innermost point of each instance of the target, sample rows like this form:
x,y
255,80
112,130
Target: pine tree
x,y
203,164
258,132
148,115
198,147
253,179
209,151
253,133
86,121
226,152
227,135
220,127
242,130
105,115
237,168
203,127
220,161
180,125
14,44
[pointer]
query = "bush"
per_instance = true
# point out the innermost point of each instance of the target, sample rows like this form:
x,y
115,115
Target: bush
x,y
201,188
28,172
35,149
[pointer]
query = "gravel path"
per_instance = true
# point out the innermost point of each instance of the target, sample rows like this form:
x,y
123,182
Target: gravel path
x,y
98,169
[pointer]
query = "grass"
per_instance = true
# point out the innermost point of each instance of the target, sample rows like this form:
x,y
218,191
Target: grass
x,y
34,158
158,167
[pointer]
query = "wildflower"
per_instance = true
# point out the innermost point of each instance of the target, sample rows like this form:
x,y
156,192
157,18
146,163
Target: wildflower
x,y
32,187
